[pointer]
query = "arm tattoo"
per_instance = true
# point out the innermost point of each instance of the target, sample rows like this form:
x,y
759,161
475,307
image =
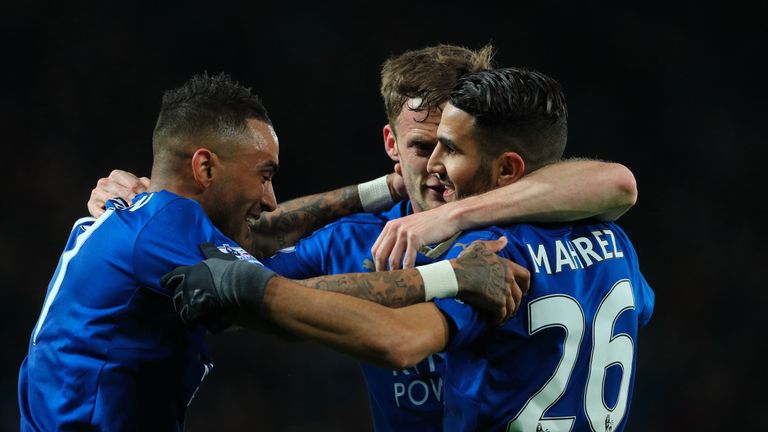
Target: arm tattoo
x,y
389,288
297,218
482,273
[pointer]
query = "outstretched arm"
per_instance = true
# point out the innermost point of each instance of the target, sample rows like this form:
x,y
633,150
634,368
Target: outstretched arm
x,y
246,293
568,190
478,262
394,338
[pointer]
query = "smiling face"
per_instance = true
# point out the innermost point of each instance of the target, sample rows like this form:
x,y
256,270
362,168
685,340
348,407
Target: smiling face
x,y
416,138
457,161
241,187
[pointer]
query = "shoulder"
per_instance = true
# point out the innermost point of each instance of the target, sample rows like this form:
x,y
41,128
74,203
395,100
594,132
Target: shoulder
x,y
173,219
167,208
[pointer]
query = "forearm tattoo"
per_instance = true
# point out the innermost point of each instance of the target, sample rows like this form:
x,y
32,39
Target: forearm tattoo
x,y
389,288
297,218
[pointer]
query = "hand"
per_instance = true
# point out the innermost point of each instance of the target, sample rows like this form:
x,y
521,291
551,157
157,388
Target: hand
x,y
397,185
195,295
402,238
222,283
490,283
119,184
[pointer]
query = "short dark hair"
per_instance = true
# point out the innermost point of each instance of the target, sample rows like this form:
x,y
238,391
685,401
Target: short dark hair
x,y
515,110
205,105
428,73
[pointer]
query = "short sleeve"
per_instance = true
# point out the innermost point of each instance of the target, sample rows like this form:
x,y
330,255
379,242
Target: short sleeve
x,y
467,326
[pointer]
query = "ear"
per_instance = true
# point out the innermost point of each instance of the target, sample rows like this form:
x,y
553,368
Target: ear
x,y
390,143
203,164
511,168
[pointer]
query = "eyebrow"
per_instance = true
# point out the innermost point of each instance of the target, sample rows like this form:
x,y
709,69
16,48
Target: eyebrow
x,y
448,142
270,165
421,142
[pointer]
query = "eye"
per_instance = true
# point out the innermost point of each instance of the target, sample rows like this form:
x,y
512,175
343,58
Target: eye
x,y
422,149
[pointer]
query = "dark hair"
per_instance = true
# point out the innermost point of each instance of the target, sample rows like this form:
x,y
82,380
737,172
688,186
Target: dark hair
x,y
515,110
205,105
428,73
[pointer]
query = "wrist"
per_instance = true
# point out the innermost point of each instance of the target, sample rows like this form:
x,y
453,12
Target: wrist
x,y
439,280
456,215
242,286
375,195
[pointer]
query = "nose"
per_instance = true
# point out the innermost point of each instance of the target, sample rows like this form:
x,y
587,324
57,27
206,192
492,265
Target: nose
x,y
435,162
268,199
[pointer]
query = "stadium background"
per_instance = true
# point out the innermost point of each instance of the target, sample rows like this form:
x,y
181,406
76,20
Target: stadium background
x,y
674,91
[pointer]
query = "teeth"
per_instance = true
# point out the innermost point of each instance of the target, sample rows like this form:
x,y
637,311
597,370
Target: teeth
x,y
251,221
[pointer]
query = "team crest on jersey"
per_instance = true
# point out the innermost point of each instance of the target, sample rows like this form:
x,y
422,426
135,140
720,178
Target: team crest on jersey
x,y
238,252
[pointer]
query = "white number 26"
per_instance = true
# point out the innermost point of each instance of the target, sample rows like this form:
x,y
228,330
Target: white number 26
x,y
607,350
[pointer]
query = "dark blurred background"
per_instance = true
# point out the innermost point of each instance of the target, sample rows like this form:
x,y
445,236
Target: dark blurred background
x,y
673,91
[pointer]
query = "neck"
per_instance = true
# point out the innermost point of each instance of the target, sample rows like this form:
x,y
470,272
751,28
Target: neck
x,y
178,184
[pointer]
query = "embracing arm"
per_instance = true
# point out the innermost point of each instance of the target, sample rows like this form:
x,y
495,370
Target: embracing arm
x,y
481,278
296,218
245,294
568,190
394,338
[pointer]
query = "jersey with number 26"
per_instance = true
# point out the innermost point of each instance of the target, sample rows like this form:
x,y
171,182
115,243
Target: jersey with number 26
x,y
108,351
566,360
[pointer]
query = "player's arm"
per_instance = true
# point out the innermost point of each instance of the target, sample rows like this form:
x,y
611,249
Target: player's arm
x,y
294,219
398,289
291,220
568,190
245,294
394,338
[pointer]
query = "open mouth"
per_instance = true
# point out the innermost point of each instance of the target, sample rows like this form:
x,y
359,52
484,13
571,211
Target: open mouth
x,y
437,190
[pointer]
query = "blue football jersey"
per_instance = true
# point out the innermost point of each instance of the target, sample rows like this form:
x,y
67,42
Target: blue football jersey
x,y
108,351
566,360
401,400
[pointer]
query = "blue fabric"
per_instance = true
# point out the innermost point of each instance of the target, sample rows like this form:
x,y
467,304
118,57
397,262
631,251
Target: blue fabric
x,y
403,401
586,286
108,352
